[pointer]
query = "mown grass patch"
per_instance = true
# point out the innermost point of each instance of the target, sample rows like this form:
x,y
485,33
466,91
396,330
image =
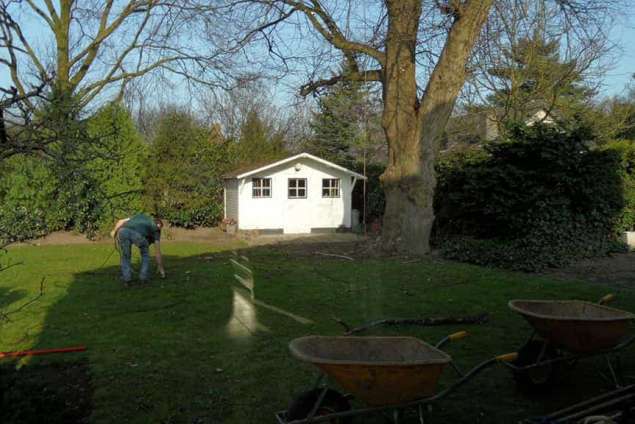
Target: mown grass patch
x,y
193,348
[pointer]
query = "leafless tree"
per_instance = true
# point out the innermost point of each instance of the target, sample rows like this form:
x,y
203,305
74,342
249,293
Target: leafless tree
x,y
91,50
231,108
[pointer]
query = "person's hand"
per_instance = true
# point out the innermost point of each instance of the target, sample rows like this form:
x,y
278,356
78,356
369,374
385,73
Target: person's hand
x,y
162,272
112,234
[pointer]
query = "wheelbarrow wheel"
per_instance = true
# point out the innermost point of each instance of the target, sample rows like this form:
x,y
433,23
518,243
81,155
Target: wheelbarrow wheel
x,y
333,402
536,379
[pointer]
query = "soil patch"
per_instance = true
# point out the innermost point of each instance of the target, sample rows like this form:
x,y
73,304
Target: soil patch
x,y
61,392
200,235
617,270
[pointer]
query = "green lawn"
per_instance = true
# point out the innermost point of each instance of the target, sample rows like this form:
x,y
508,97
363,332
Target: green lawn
x,y
193,349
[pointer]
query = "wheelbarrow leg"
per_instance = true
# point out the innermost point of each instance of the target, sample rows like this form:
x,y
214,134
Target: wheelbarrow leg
x,y
393,416
614,376
422,413
318,381
311,415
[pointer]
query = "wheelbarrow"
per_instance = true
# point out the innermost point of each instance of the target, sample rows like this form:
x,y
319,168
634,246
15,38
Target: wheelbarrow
x,y
389,375
565,332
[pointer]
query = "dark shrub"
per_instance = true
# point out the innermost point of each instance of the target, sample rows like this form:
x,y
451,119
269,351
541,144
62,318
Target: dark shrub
x,y
541,198
375,198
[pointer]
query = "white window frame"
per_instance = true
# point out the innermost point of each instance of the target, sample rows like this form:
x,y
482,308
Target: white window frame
x,y
296,188
258,188
333,190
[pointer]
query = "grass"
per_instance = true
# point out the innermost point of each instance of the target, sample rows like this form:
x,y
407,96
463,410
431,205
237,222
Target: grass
x,y
192,349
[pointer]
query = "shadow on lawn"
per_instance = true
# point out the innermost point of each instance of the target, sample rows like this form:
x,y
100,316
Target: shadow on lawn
x,y
170,351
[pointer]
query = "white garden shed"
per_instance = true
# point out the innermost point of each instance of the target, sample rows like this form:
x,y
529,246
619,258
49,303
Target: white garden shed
x,y
299,194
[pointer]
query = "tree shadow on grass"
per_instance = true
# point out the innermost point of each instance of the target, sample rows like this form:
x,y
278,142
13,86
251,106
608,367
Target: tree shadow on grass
x,y
57,392
9,297
171,351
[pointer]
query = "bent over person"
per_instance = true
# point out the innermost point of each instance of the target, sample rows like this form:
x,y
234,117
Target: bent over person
x,y
141,231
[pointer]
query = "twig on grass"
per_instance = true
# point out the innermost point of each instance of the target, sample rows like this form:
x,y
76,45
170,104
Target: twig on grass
x,y
411,261
347,327
430,321
4,316
335,256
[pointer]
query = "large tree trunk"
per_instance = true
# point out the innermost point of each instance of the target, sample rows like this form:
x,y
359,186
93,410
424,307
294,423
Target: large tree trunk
x,y
413,129
62,40
408,215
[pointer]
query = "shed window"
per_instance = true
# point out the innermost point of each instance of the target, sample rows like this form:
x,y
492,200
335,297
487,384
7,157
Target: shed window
x,y
297,188
261,187
331,187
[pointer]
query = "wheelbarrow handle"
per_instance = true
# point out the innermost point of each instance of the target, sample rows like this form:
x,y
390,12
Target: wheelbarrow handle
x,y
607,299
507,357
458,336
451,338
471,374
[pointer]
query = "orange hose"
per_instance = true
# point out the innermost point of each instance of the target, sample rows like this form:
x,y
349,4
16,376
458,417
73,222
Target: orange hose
x,y
41,352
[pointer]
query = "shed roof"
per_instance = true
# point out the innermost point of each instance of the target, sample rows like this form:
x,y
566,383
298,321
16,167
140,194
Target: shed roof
x,y
246,171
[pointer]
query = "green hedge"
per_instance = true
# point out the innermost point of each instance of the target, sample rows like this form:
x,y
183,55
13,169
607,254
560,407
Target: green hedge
x,y
542,198
28,207
105,170
182,178
626,150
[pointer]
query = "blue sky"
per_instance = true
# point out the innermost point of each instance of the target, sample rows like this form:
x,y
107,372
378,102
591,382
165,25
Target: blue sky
x,y
623,35
615,81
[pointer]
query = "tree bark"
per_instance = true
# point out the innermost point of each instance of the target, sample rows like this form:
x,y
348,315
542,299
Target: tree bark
x,y
413,128
3,130
62,39
407,215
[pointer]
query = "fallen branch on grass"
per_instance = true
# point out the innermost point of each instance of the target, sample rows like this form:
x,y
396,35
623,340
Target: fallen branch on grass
x,y
426,322
336,256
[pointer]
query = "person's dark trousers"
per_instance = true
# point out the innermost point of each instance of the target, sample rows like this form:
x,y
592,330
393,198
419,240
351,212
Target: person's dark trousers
x,y
126,238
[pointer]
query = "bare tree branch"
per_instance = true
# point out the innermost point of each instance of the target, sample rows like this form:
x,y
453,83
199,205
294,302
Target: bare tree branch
x,y
364,76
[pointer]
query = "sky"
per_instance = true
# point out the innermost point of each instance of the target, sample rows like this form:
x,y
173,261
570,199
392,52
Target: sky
x,y
615,82
623,35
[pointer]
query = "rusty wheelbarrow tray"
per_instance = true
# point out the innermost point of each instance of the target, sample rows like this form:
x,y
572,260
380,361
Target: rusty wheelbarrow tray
x,y
566,331
378,370
388,374
575,325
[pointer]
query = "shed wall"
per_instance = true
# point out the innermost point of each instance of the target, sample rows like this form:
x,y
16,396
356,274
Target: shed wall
x,y
296,215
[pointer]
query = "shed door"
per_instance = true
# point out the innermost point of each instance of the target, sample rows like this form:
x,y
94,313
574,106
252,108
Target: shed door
x,y
298,207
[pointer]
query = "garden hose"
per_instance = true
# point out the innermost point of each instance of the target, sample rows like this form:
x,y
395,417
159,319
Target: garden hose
x,y
116,249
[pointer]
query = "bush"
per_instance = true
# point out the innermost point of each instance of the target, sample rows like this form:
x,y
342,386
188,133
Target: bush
x,y
116,164
91,176
183,172
28,207
375,197
539,199
626,151
37,198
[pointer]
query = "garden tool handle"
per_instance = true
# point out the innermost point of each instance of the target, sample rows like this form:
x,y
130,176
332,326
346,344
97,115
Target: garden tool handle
x,y
607,299
452,337
507,357
458,335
